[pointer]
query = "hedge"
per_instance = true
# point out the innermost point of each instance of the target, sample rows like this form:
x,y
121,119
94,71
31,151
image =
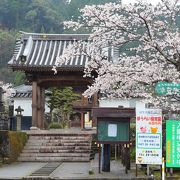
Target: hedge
x,y
11,144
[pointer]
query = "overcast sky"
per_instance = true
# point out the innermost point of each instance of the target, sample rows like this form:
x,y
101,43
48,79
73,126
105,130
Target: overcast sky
x,y
132,1
149,1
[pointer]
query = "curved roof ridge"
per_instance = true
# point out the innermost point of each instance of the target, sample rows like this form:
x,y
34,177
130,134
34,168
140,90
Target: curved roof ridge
x,y
30,33
44,36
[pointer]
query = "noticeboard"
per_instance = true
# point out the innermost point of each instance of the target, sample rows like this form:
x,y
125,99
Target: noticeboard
x,y
148,136
173,143
113,124
113,131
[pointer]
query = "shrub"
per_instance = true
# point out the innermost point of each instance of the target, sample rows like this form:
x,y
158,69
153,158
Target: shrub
x,y
17,141
91,172
133,154
4,145
11,145
55,126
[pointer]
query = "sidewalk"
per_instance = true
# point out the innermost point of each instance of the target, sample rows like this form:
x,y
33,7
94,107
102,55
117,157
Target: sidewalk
x,y
67,170
18,170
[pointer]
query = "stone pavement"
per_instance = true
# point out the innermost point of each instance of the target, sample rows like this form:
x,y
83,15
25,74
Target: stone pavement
x,y
66,170
18,170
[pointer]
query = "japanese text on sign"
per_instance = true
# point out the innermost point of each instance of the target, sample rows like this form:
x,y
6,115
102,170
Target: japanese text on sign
x,y
173,143
148,136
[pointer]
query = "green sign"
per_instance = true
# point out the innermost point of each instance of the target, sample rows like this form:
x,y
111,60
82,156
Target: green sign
x,y
164,88
113,131
173,143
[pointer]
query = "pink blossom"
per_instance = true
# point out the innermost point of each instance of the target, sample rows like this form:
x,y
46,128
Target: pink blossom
x,y
147,43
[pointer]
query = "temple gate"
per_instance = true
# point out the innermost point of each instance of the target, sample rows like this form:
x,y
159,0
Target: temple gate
x,y
35,54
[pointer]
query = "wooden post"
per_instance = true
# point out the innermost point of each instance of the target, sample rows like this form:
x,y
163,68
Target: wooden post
x,y
106,158
82,120
128,157
126,161
99,158
42,107
34,104
38,107
123,154
95,99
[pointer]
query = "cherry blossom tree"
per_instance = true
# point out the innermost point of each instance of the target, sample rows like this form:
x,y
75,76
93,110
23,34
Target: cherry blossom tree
x,y
131,48
8,90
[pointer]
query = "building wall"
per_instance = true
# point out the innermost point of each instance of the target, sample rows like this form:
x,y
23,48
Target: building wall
x,y
131,103
26,104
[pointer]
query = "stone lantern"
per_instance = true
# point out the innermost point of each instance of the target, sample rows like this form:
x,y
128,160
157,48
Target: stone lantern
x,y
18,117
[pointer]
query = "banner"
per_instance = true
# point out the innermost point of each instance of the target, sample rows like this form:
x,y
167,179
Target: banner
x,y
173,143
148,136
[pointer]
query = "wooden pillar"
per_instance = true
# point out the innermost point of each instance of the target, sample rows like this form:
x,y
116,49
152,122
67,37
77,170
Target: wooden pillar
x,y
82,120
106,158
42,107
95,99
34,104
128,157
38,107
95,104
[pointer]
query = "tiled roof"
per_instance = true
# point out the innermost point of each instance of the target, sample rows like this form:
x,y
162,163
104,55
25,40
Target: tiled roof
x,y
40,51
22,91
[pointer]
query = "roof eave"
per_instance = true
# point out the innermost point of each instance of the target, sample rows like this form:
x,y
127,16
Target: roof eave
x,y
45,69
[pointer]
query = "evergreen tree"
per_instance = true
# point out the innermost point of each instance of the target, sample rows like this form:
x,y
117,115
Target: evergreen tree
x,y
60,103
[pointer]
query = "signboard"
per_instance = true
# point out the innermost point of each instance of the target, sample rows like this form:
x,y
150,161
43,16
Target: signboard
x,y
164,88
148,136
114,131
173,143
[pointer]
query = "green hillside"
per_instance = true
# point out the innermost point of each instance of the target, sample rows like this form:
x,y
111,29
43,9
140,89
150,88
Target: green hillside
x,y
39,16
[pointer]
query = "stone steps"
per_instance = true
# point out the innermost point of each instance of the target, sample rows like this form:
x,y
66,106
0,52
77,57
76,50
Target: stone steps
x,y
53,159
56,141
64,147
64,137
54,154
54,151
59,144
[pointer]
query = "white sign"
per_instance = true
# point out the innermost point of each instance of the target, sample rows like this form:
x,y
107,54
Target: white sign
x,y
148,136
112,130
148,140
